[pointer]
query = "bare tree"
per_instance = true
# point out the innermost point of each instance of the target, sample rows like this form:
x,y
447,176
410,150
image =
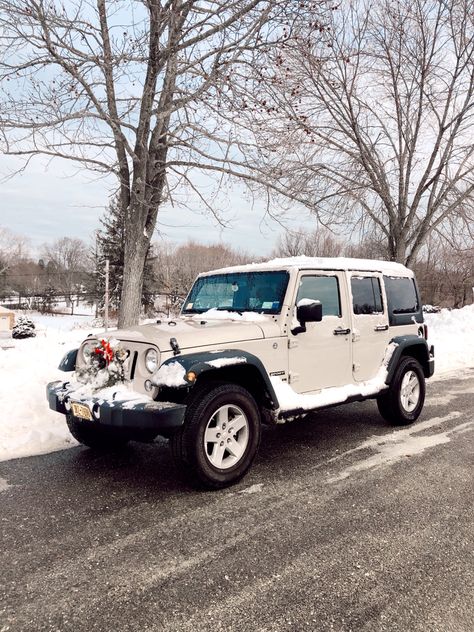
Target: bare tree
x,y
13,248
372,127
316,243
133,89
177,267
67,260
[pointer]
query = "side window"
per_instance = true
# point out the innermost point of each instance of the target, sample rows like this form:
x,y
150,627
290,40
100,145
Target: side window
x,y
401,295
366,295
324,289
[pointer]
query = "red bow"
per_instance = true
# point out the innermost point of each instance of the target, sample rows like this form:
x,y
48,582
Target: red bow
x,y
105,350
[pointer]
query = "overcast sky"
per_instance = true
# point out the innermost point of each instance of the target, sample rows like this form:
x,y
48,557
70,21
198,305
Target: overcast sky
x,y
50,201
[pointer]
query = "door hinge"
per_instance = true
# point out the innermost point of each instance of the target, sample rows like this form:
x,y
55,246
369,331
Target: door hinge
x,y
355,368
293,377
292,343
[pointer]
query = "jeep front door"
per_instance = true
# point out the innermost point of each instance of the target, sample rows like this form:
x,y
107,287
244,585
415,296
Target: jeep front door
x,y
320,357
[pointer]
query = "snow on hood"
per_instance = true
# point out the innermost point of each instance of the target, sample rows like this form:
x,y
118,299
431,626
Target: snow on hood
x,y
212,327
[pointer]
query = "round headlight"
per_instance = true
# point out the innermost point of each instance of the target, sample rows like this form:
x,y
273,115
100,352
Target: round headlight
x,y
151,360
88,348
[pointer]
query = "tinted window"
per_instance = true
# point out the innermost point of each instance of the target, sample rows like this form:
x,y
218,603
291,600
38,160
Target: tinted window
x,y
324,289
366,295
239,292
401,295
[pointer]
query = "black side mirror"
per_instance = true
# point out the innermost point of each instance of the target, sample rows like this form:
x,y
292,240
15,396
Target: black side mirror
x,y
307,311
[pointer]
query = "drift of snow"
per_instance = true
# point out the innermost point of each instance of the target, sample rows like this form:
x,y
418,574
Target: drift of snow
x,y
220,362
27,425
221,314
289,399
452,334
171,374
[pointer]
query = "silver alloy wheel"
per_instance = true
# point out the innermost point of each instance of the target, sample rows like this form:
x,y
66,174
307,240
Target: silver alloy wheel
x,y
226,436
410,391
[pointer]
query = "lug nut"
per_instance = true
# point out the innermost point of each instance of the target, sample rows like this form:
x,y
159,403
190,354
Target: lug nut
x,y
229,440
218,435
223,426
221,443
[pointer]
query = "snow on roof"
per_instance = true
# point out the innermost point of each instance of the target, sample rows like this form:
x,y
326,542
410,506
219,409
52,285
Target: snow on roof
x,y
321,263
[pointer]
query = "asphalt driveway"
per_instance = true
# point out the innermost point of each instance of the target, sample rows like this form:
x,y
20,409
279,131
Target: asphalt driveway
x,y
343,523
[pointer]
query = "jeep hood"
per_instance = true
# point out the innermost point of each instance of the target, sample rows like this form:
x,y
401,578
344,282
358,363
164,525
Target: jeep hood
x,y
195,332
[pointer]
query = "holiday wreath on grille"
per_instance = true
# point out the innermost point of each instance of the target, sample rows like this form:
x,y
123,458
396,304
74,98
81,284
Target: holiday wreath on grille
x,y
104,365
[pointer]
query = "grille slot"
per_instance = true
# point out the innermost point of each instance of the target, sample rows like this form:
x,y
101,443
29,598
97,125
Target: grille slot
x,y
134,364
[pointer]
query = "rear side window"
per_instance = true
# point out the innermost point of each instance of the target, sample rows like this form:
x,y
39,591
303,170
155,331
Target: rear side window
x,y
366,295
401,295
324,289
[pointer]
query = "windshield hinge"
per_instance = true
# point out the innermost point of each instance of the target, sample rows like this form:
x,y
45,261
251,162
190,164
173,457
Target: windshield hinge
x,y
175,346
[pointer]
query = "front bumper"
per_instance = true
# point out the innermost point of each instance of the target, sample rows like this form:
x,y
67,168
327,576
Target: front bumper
x,y
126,415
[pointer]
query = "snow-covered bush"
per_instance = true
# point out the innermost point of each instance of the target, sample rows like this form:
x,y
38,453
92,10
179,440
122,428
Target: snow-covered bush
x,y
24,328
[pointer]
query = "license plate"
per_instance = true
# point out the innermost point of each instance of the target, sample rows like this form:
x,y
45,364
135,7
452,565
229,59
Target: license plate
x,y
81,411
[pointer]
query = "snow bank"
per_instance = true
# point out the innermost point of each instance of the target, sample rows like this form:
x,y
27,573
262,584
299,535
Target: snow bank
x,y
452,334
27,425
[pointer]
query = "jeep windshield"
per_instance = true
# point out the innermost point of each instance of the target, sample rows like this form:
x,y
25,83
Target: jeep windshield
x,y
261,292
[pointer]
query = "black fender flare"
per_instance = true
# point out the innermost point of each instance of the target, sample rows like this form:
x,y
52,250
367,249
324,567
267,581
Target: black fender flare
x,y
68,362
409,345
201,363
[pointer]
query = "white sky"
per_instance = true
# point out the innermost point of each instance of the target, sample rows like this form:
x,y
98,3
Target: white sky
x,y
53,200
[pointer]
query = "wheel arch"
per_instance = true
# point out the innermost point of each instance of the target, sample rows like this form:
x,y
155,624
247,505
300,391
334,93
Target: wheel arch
x,y
231,365
409,346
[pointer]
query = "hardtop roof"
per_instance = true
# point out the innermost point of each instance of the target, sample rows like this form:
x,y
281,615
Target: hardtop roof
x,y
390,268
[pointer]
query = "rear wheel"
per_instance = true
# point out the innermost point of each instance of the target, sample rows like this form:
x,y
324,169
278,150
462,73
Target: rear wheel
x,y
403,402
220,436
93,437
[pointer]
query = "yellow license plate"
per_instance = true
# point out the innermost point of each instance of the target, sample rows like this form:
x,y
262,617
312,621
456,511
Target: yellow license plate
x,y
81,411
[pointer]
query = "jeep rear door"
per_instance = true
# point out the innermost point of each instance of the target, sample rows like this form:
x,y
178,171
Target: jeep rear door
x,y
370,330
320,357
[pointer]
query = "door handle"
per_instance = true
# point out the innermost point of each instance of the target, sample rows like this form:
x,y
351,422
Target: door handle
x,y
381,328
341,332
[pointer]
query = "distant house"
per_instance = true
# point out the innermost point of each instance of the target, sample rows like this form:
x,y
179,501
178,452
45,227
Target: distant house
x,y
7,319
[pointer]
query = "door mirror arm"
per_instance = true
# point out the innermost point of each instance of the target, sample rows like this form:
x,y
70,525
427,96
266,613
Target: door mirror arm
x,y
307,311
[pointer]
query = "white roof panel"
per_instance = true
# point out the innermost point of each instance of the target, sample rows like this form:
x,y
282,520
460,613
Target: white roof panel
x,y
321,263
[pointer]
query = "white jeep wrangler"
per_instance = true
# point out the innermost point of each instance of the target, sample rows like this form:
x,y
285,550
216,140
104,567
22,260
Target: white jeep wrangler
x,y
259,343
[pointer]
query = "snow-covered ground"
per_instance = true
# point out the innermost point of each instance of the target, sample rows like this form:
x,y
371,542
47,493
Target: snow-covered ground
x,y
28,427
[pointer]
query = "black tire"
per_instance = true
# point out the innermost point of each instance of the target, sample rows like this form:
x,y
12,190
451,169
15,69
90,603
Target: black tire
x,y
93,437
190,450
391,403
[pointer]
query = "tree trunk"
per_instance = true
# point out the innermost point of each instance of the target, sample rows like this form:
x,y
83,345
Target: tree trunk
x,y
136,246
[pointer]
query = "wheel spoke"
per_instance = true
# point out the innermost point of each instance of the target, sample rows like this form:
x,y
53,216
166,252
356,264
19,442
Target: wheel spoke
x,y
212,435
217,455
238,423
234,448
223,415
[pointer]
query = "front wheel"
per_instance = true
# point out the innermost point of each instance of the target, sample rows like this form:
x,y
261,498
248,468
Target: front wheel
x,y
220,436
403,402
